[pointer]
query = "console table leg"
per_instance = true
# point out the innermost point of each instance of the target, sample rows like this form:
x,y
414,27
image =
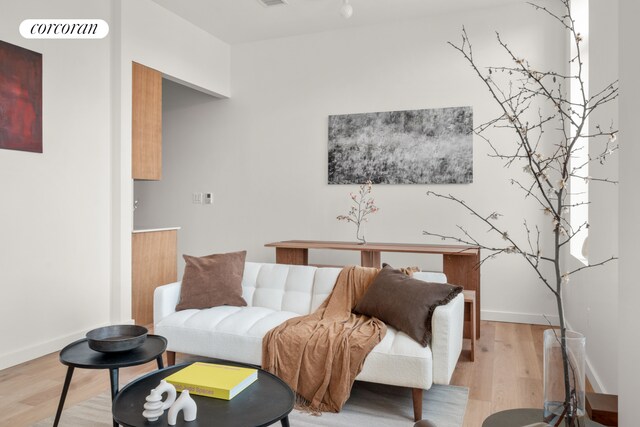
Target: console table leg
x,y
63,396
370,259
292,256
464,270
113,376
285,421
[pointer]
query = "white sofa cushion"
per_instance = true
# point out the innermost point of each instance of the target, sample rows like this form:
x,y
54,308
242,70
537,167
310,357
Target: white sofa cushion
x,y
430,276
279,287
447,329
446,338
323,285
398,360
231,333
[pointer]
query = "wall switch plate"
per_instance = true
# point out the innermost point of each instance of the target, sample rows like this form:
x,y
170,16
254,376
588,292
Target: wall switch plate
x,y
197,198
208,198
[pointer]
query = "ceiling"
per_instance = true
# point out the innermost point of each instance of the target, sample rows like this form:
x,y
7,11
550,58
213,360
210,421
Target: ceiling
x,y
238,21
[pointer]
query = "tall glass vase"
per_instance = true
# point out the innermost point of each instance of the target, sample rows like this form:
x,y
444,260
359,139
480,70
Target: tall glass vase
x,y
560,366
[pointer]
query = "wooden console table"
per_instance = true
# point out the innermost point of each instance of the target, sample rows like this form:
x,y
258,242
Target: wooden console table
x,y
460,263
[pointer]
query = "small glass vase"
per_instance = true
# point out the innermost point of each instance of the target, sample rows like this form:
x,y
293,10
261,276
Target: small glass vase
x,y
557,410
361,240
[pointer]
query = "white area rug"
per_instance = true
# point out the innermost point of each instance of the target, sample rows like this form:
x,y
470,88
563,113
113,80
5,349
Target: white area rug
x,y
377,405
370,405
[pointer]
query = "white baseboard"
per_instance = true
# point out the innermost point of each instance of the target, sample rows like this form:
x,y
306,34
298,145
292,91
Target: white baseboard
x,y
31,352
594,378
512,317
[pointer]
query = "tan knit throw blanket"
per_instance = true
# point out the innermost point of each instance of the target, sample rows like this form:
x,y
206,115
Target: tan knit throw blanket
x,y
319,355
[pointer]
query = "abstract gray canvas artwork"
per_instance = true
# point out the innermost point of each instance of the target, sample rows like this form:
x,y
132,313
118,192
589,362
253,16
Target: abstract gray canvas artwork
x,y
431,146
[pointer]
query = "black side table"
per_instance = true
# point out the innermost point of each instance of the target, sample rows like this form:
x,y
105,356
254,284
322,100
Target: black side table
x,y
79,355
522,417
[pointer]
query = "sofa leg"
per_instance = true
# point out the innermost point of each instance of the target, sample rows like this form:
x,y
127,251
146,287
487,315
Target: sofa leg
x,y
417,403
171,358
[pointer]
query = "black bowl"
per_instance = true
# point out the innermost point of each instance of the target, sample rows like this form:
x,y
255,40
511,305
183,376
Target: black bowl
x,y
115,338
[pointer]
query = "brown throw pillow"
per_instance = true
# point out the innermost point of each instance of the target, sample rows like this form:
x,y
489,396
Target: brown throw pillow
x,y
405,303
212,281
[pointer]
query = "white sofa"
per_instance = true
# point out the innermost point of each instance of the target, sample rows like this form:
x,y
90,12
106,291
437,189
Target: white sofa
x,y
275,293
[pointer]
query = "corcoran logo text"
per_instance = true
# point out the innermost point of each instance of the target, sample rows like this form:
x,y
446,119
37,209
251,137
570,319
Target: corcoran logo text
x,y
64,29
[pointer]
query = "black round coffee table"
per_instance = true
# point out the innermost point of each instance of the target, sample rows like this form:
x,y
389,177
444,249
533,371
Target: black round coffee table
x,y
522,417
266,401
79,355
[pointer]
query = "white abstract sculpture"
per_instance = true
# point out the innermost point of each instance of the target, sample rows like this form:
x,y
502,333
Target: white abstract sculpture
x,y
153,406
183,403
165,387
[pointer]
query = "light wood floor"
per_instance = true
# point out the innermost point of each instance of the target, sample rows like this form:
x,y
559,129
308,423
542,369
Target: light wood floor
x,y
507,373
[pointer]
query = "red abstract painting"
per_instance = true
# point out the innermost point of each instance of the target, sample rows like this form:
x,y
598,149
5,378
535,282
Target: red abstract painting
x,y
20,98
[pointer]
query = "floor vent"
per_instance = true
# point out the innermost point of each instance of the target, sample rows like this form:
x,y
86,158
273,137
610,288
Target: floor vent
x,y
268,3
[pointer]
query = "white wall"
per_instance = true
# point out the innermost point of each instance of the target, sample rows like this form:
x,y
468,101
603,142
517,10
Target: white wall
x,y
629,204
160,39
591,297
155,37
263,153
65,248
55,238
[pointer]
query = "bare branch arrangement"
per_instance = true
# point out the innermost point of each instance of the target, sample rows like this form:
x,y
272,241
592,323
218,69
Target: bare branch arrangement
x,y
362,205
549,126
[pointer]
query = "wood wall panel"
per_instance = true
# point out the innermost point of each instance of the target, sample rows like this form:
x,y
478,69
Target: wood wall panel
x,y
146,124
154,257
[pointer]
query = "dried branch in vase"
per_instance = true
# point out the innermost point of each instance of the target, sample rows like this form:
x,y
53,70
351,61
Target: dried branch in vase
x,y
362,206
550,128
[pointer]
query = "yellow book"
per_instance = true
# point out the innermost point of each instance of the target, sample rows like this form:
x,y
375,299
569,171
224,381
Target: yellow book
x,y
212,380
